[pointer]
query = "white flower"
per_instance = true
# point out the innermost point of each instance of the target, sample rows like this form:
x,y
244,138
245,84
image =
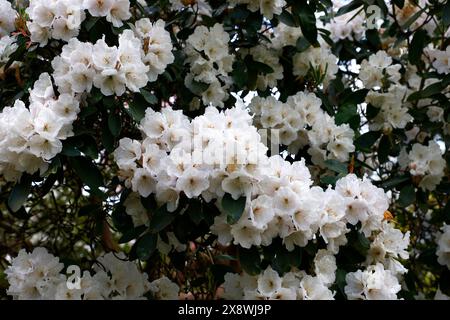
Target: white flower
x,y
99,8
193,182
443,248
269,282
7,18
119,11
375,283
164,289
136,210
325,266
128,152
143,182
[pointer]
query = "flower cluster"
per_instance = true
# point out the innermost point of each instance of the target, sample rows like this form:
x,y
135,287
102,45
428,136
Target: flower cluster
x,y
379,71
426,162
443,246
38,276
156,46
30,137
111,69
268,8
269,57
202,6
61,20
374,283
320,61
294,285
349,25
7,18
213,154
393,108
440,60
210,63
7,47
389,245
302,121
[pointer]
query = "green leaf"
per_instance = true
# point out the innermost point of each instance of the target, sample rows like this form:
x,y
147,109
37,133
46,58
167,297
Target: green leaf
x,y
131,234
89,210
261,67
392,182
384,148
349,7
195,212
137,108
367,140
198,87
70,150
87,171
88,146
307,20
90,22
446,14
354,97
302,44
417,44
239,74
413,18
161,219
149,97
233,208
287,18
336,166
114,124
121,220
107,139
399,3
146,245
346,113
407,196
225,257
431,90
284,260
444,282
250,260
19,193
362,244
329,180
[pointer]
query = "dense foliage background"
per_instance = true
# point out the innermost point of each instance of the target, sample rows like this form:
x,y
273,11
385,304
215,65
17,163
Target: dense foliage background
x,y
382,86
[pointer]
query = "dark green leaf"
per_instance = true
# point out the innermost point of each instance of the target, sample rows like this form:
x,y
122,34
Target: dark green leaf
x,y
345,113
195,212
161,219
131,234
367,140
87,171
336,166
114,123
384,148
250,260
137,109
417,44
446,14
146,245
392,182
149,97
302,44
233,208
307,21
407,196
19,193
